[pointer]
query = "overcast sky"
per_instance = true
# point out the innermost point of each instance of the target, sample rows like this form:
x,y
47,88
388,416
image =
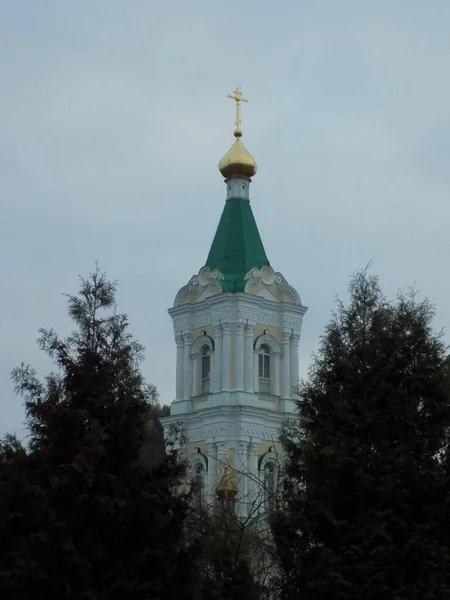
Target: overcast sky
x,y
113,117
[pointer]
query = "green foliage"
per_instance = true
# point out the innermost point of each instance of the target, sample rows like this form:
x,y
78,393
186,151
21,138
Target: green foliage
x,y
85,512
365,489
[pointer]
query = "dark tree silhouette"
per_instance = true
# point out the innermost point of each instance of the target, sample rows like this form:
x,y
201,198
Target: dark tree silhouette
x,y
365,492
92,507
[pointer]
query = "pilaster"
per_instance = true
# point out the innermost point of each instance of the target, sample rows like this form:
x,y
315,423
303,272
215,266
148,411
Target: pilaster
x,y
212,373
180,367
187,371
285,366
218,363
239,357
276,375
241,467
253,482
295,338
220,454
211,451
255,373
196,368
248,358
226,357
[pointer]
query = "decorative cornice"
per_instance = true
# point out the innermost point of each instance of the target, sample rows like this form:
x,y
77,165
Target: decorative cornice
x,y
229,424
198,457
286,287
286,337
232,432
235,314
295,338
204,278
270,340
187,338
242,447
267,276
182,293
199,342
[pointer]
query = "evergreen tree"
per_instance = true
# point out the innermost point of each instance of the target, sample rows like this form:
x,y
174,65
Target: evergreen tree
x,y
444,514
365,492
84,512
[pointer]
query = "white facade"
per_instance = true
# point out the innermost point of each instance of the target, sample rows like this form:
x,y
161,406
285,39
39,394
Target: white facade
x,y
236,373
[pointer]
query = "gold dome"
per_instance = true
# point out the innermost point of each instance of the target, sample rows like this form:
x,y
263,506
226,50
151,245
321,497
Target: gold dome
x,y
237,162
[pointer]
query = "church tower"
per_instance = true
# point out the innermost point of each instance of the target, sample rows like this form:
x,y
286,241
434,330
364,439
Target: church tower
x,y
237,327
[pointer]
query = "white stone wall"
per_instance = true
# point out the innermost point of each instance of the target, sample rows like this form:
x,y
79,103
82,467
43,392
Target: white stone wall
x,y
234,319
235,415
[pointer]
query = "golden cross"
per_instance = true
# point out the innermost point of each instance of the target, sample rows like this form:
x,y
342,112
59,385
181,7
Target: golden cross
x,y
237,96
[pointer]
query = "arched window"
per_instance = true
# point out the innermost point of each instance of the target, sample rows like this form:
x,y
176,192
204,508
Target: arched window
x,y
198,485
202,354
264,368
268,353
206,369
270,469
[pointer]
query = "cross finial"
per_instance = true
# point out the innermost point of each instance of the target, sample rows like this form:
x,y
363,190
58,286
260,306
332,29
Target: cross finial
x,y
237,96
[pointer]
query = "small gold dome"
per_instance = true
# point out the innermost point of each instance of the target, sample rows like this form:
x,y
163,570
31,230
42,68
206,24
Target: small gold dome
x,y
237,162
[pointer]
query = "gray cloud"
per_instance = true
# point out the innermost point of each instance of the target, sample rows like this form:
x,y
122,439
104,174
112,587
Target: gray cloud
x,y
113,117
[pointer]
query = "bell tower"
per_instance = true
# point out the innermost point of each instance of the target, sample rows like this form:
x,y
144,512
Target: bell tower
x,y
237,326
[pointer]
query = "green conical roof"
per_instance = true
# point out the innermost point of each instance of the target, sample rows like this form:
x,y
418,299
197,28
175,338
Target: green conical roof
x,y
237,245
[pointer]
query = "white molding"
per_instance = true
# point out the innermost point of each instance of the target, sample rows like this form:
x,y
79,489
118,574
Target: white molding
x,y
204,278
184,291
199,342
269,457
238,187
267,294
267,276
270,340
249,361
187,366
279,278
230,424
197,458
237,308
